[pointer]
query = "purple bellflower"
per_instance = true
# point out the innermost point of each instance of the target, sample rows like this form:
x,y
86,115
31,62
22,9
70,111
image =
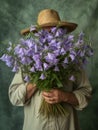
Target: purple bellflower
x,y
48,55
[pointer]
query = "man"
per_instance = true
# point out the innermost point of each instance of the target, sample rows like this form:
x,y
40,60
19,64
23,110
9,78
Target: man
x,y
27,94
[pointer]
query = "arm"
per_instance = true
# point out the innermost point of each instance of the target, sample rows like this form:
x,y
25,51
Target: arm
x,y
83,92
20,92
30,90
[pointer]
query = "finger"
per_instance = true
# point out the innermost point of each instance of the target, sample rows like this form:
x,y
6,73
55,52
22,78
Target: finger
x,y
50,100
47,94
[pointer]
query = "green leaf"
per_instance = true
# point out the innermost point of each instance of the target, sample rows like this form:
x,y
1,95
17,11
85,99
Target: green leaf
x,y
59,83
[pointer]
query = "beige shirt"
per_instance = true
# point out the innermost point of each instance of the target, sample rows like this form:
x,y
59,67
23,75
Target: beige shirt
x,y
32,118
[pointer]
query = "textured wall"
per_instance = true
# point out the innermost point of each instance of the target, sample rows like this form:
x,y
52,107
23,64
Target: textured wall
x,y
18,14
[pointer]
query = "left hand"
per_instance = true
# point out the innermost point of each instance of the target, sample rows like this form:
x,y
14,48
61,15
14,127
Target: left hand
x,y
54,96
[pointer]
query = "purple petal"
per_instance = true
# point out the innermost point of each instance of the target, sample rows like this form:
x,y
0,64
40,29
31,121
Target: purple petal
x,y
36,57
72,57
70,37
53,42
26,60
9,60
42,76
36,48
46,66
60,32
32,69
53,29
63,51
66,60
51,56
49,37
81,35
56,68
38,65
72,78
15,69
3,58
27,78
32,28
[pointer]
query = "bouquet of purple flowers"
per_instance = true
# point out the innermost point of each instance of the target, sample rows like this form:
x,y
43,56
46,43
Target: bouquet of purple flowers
x,y
48,58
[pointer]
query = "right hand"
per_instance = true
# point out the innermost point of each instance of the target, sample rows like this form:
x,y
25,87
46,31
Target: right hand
x,y
30,89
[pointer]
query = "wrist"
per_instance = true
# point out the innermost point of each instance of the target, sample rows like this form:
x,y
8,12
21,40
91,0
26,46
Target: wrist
x,y
66,96
70,98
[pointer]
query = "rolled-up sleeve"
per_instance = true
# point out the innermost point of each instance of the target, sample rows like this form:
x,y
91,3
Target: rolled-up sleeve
x,y
83,92
17,90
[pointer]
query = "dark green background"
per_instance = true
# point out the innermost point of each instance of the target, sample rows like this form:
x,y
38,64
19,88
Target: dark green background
x,y
18,14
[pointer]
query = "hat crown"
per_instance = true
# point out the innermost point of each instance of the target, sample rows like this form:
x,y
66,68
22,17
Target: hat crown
x,y
48,16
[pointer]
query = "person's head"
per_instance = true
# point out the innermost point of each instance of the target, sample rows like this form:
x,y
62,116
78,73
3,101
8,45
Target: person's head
x,y
48,18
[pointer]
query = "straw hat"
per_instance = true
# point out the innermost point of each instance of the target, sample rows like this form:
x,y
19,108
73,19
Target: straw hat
x,y
50,18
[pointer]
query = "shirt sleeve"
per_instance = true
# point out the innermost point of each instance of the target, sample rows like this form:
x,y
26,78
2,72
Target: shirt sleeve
x,y
17,90
83,92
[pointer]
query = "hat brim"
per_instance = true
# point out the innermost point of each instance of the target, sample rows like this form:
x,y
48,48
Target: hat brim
x,y
70,26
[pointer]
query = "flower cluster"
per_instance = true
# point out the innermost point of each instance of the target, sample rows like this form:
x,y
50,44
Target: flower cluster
x,y
46,56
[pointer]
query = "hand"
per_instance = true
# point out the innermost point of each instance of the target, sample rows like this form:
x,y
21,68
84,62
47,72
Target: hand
x,y
54,96
30,88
